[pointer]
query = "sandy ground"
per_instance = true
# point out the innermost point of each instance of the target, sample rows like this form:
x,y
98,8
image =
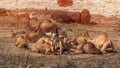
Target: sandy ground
x,y
38,60
110,25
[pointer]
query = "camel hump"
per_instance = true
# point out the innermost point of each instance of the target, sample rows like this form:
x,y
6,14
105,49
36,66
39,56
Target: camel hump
x,y
89,48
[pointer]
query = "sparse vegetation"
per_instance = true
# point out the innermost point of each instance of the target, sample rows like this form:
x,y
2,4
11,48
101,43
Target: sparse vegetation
x,y
13,57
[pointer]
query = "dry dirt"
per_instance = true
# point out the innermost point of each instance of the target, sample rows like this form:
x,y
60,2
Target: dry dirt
x,y
13,57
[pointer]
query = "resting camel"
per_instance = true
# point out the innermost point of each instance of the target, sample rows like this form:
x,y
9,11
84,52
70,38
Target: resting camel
x,y
21,42
80,39
47,26
87,48
103,43
32,36
40,30
44,26
43,45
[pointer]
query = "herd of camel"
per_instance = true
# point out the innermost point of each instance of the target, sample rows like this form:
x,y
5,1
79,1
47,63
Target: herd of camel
x,y
49,39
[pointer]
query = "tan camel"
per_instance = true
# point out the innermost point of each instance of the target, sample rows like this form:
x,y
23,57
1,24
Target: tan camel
x,y
87,48
103,43
43,27
80,39
43,46
47,26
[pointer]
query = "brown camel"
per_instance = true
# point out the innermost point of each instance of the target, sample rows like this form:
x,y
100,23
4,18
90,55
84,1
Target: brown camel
x,y
43,27
87,48
103,43
80,39
43,45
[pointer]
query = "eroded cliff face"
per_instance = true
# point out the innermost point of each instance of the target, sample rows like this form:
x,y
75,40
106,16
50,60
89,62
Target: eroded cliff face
x,y
104,7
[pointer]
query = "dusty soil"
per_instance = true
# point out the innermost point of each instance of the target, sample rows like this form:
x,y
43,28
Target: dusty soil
x,y
105,13
13,57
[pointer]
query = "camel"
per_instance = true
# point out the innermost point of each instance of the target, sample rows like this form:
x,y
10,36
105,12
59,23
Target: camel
x,y
28,17
21,42
47,26
44,26
43,45
36,33
32,36
103,43
87,48
80,39
19,16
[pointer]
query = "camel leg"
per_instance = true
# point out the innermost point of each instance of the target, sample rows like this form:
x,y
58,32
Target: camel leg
x,y
53,44
103,48
61,48
110,47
